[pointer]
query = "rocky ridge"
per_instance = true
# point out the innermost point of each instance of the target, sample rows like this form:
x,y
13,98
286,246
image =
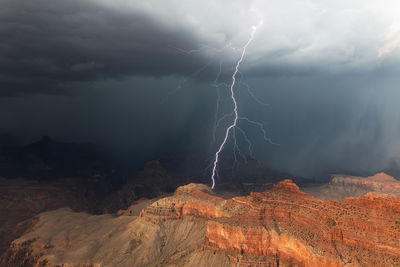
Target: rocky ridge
x,y
280,227
342,186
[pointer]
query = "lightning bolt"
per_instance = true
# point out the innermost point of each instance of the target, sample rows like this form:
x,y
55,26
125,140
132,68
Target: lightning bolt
x,y
235,105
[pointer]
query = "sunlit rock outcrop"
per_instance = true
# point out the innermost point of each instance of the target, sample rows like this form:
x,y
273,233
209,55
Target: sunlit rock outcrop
x,y
194,227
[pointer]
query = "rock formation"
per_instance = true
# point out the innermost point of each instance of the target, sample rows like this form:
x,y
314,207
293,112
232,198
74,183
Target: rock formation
x,y
195,227
342,186
23,198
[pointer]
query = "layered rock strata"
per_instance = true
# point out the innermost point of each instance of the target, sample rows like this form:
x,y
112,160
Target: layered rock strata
x,y
194,227
342,186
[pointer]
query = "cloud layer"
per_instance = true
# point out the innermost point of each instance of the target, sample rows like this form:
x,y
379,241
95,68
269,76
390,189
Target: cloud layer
x,y
46,43
140,75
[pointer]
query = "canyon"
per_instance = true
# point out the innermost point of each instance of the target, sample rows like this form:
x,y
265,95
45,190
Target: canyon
x,y
282,226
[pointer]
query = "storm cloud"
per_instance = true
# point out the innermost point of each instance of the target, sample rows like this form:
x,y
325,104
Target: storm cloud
x,y
46,43
141,76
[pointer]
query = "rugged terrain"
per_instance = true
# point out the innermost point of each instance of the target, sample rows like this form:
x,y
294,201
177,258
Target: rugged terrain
x,y
21,199
280,227
48,175
342,186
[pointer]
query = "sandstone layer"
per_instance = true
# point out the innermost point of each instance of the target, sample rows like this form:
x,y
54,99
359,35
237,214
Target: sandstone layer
x,y
195,227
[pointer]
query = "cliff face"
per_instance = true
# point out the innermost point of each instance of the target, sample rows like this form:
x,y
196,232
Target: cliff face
x,y
194,227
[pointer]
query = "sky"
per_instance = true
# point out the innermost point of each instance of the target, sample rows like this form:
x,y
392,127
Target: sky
x,y
142,78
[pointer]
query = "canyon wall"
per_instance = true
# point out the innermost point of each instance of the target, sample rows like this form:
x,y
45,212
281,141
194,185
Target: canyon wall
x,y
280,227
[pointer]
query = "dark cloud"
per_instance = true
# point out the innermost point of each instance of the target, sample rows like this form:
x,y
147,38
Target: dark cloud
x,y
138,76
45,44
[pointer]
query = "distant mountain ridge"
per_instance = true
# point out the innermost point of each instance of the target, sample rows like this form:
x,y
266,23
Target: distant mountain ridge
x,y
342,186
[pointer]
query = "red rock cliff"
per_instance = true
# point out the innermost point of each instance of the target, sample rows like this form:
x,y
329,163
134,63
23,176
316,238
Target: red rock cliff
x,y
286,226
194,227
